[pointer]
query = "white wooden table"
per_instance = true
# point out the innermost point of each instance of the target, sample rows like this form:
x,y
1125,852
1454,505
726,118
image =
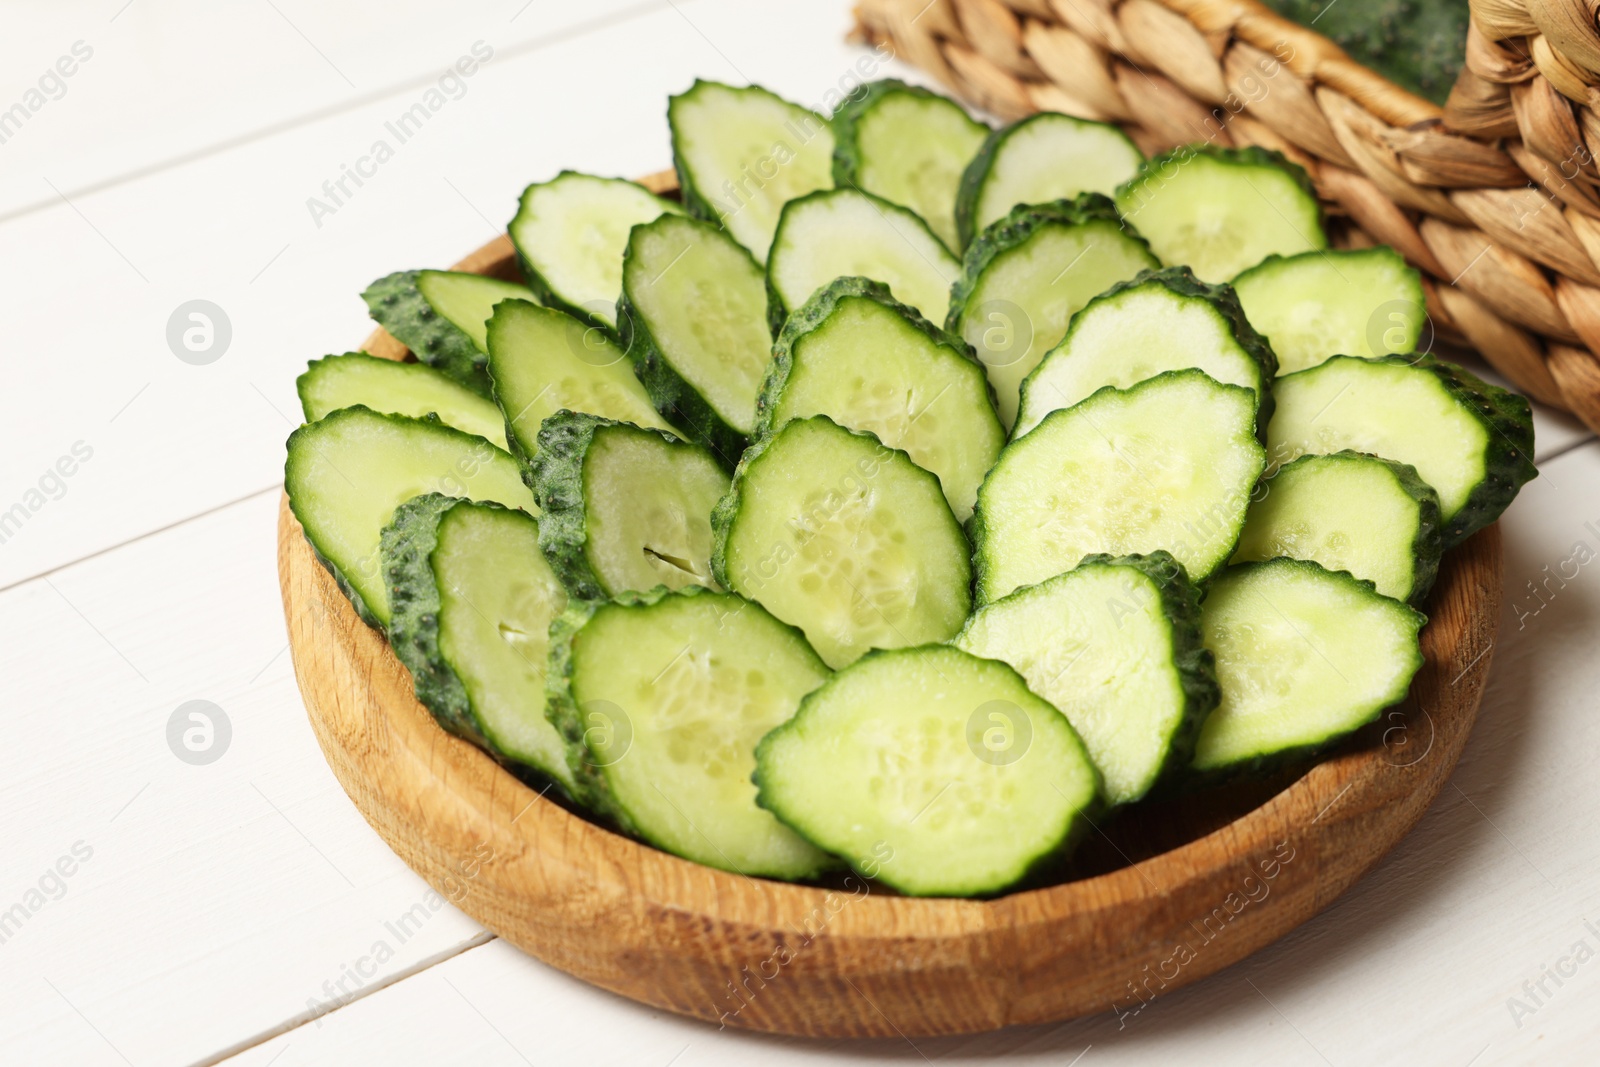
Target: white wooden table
x,y
157,911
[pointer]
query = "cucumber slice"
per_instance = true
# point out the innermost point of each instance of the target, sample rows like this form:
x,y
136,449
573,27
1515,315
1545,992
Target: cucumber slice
x,y
1471,441
543,360
1161,320
741,154
1168,464
1038,159
467,300
472,602
1025,276
570,233
1220,210
1304,656
1352,302
1350,512
844,537
623,508
441,315
415,389
839,232
694,322
1115,645
932,770
661,698
869,362
908,145
347,472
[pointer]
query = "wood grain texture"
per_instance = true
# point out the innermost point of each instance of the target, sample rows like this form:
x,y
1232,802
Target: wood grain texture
x,y
1162,897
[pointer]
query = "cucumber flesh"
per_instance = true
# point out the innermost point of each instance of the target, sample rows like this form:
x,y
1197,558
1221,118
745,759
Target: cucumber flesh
x,y
570,233
440,316
694,321
847,539
467,300
385,385
347,472
543,360
1160,321
1350,512
624,508
1115,645
840,232
1304,657
1220,210
472,605
909,146
932,770
662,698
1169,464
1472,442
741,154
1041,158
1025,277
868,362
1351,302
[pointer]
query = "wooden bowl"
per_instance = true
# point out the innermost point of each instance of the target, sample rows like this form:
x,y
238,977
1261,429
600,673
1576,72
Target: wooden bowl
x,y
1165,895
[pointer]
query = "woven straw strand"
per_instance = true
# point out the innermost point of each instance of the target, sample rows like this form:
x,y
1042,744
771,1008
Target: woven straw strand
x,y
1496,198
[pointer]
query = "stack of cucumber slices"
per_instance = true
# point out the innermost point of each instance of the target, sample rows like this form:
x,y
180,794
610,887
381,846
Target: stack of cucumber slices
x,y
904,495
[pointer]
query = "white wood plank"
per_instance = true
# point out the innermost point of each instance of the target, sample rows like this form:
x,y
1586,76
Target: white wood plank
x,y
216,899
1417,964
151,83
170,439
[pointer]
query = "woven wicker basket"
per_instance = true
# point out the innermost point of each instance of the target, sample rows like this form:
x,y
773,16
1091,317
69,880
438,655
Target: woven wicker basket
x,y
1496,198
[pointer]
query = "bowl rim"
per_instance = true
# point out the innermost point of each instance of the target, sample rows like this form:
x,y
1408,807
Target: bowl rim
x,y
682,936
